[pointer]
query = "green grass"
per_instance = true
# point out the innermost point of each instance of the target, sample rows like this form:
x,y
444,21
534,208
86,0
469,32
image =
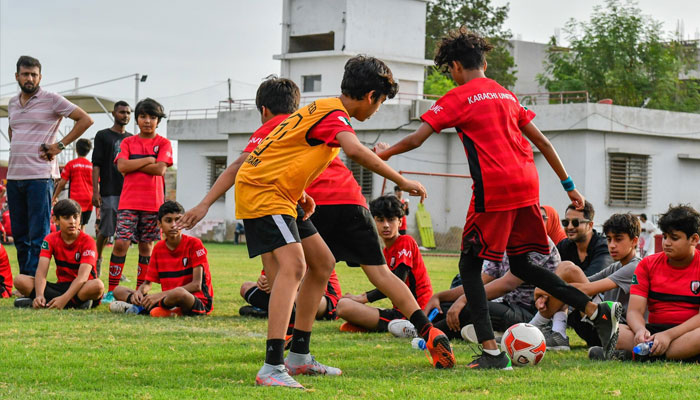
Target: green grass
x,y
95,354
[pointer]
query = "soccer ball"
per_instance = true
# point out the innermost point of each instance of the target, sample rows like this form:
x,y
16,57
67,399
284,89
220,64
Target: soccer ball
x,y
525,344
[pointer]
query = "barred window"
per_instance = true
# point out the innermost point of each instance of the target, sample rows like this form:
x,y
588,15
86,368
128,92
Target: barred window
x,y
363,177
217,165
628,181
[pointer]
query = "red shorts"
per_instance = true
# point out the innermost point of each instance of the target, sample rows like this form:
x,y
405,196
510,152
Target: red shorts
x,y
519,231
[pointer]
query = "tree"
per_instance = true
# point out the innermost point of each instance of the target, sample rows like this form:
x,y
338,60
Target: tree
x,y
623,55
436,83
479,16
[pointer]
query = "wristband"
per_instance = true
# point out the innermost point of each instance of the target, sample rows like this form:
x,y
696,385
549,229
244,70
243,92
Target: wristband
x,y
568,184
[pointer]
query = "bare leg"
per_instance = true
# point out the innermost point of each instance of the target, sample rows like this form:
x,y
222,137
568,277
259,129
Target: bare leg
x,y
91,290
684,346
320,265
179,297
122,293
625,339
284,288
24,284
389,284
358,314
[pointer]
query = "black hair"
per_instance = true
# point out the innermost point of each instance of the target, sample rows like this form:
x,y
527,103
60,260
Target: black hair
x,y
623,223
121,103
397,188
588,211
643,216
83,147
364,74
170,207
66,208
279,95
148,106
28,62
386,206
463,46
682,218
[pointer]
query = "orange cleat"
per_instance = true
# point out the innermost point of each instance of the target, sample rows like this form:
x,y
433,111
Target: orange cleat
x,y
160,312
349,327
440,350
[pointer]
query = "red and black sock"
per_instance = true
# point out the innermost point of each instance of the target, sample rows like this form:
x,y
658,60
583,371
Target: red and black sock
x,y
143,268
116,267
422,323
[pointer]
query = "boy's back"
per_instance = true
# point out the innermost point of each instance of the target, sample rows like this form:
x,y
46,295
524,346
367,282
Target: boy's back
x,y
79,173
142,191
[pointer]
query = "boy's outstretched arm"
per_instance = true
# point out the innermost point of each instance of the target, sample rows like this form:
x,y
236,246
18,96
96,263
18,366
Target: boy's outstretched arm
x,y
593,288
408,143
366,157
550,154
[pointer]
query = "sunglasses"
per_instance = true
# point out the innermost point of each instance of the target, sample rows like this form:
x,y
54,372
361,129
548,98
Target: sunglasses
x,y
574,222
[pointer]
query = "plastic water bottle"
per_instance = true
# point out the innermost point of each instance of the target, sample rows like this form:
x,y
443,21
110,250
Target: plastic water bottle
x,y
643,349
134,309
418,343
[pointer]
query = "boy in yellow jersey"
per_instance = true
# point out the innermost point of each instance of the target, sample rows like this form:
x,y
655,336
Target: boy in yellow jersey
x,y
270,184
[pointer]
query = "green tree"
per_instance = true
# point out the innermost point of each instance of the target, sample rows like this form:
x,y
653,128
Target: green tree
x,y
624,55
479,16
436,83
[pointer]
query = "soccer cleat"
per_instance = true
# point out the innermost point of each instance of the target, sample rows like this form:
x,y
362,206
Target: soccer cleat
x,y
24,302
251,311
275,375
402,328
606,324
123,278
487,361
160,312
349,327
555,340
85,305
108,298
596,353
288,341
438,345
306,364
119,307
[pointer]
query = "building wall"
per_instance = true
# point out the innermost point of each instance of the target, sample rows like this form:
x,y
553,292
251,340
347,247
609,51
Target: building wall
x,y
192,182
529,58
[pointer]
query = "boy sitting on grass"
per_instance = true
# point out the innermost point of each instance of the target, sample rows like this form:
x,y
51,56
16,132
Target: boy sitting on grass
x,y
179,264
75,254
405,261
5,274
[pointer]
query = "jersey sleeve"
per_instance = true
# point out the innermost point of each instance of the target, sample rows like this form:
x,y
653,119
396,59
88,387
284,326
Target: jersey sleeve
x,y
65,174
443,114
524,116
46,247
406,253
88,252
326,130
61,106
640,279
124,151
198,253
152,273
165,153
624,276
255,139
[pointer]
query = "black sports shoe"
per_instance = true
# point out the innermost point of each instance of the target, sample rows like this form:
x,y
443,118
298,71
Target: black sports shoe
x,y
487,361
596,353
24,302
250,311
606,324
86,305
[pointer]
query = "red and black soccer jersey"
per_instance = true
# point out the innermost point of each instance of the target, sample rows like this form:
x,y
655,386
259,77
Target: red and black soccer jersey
x,y
142,191
405,251
336,185
174,268
68,257
488,119
6,274
673,294
78,172
262,132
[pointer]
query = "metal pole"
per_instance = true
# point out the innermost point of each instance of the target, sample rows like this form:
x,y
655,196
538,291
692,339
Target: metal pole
x,y
76,83
230,100
137,77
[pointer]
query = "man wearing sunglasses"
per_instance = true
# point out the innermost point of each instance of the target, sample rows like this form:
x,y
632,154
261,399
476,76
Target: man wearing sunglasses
x,y
583,246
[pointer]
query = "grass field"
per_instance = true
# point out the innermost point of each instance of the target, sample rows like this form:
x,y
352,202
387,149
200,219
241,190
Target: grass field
x,y
98,355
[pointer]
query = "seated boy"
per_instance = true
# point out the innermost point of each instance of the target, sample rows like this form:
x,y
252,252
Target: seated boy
x,y
5,274
75,255
667,284
612,283
179,264
405,261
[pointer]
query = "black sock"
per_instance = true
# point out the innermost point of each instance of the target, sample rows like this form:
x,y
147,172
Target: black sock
x,y
274,355
421,322
300,342
290,328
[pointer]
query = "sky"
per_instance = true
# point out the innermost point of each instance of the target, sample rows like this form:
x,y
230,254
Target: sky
x,y
189,49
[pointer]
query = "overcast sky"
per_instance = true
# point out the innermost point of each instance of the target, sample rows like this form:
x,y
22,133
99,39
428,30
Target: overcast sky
x,y
189,49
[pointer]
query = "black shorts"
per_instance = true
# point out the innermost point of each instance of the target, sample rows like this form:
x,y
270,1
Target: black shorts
x,y
270,232
351,234
305,228
331,314
199,308
57,289
85,217
656,328
389,314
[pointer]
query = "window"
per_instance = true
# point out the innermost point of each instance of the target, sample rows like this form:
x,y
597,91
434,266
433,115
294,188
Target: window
x,y
304,43
217,165
628,181
363,177
311,83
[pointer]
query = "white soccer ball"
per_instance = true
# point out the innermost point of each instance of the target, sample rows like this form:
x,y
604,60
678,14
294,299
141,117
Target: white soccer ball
x,y
525,344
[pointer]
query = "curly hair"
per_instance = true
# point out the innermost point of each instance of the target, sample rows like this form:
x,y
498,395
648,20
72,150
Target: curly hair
x,y
682,218
463,46
364,74
623,223
386,206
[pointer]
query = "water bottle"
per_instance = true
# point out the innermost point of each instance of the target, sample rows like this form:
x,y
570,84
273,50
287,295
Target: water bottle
x,y
418,343
134,309
643,349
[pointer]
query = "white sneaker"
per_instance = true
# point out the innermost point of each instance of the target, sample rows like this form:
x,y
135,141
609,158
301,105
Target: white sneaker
x,y
469,334
402,328
119,307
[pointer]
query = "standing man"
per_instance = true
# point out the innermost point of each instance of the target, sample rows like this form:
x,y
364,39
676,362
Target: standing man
x,y
646,239
35,116
107,181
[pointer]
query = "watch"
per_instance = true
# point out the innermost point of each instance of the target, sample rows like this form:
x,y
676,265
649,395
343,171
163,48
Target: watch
x,y
60,145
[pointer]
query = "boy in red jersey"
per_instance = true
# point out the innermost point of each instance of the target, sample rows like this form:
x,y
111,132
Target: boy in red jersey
x,y
75,255
78,172
667,284
504,212
179,263
5,274
143,159
405,261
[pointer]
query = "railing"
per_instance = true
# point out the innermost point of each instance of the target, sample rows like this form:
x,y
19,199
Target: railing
x,y
531,99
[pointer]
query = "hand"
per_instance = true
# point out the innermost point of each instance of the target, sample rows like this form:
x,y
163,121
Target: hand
x,y
96,200
661,342
151,300
151,159
39,302
453,313
137,298
576,199
360,298
192,217
48,151
307,204
434,302
58,302
54,201
380,147
642,336
541,299
414,188
263,284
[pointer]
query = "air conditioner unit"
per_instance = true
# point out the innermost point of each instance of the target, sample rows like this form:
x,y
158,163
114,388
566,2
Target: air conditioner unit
x,y
420,107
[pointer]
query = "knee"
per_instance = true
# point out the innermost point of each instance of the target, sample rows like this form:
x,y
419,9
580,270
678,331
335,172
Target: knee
x,y
121,246
24,284
343,307
245,287
179,294
566,269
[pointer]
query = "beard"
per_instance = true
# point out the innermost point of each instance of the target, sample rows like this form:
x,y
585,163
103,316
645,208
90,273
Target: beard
x,y
29,89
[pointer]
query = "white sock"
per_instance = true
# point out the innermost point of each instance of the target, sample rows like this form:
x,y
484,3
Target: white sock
x,y
559,323
492,352
594,315
539,321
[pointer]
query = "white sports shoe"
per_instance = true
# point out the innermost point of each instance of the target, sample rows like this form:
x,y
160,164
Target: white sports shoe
x,y
402,328
119,307
469,334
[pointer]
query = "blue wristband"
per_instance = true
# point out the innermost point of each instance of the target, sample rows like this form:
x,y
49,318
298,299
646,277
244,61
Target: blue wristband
x,y
568,184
